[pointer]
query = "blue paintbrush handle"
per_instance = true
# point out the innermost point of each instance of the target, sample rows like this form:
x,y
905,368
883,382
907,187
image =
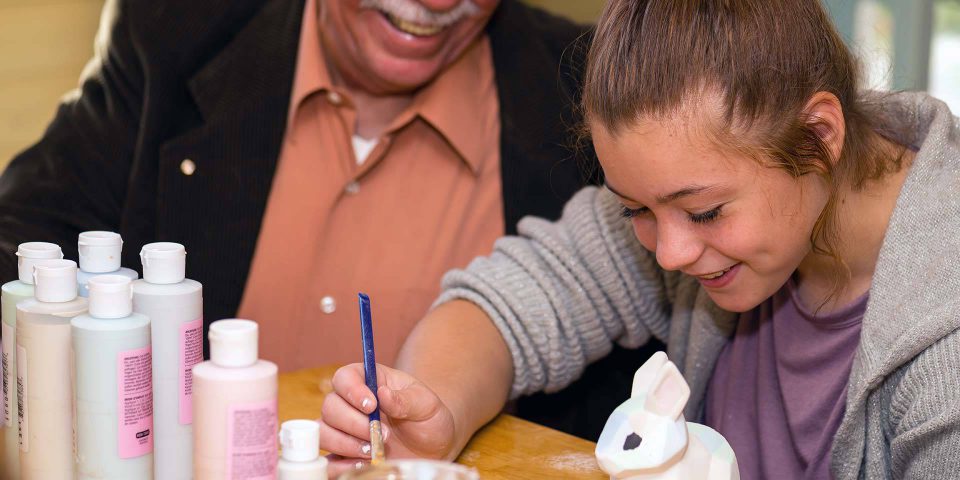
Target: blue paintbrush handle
x,y
369,360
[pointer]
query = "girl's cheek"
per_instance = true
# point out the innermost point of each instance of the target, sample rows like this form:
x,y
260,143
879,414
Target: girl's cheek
x,y
646,232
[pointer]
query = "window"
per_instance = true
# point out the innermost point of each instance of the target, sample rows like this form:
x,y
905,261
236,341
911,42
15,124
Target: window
x,y
905,44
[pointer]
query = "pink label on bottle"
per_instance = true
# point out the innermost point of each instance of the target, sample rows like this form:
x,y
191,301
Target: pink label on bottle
x,y
191,353
135,402
252,441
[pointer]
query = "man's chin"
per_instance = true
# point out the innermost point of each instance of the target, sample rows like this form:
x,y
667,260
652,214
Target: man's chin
x,y
402,76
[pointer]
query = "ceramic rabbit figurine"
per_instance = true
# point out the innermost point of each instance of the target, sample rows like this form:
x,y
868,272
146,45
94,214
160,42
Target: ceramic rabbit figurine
x,y
646,437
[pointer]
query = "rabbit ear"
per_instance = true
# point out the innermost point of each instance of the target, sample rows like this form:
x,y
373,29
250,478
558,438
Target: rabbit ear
x,y
646,374
669,394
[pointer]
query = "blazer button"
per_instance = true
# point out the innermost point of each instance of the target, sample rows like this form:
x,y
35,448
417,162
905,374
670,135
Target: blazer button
x,y
187,167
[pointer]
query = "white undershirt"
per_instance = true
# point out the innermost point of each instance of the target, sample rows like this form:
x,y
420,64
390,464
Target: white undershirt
x,y
362,148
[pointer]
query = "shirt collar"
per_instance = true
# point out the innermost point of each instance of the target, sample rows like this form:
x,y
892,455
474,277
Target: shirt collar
x,y
311,75
455,103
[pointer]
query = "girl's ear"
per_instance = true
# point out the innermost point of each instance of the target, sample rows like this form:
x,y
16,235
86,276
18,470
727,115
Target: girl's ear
x,y
825,114
669,394
646,374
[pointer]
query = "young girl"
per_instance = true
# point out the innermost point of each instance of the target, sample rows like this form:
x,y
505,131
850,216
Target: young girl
x,y
793,240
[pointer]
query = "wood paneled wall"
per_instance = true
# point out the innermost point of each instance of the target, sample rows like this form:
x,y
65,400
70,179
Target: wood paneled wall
x,y
44,45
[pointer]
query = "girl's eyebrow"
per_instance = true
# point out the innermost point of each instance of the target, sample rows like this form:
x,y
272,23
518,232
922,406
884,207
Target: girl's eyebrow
x,y
684,192
610,187
661,199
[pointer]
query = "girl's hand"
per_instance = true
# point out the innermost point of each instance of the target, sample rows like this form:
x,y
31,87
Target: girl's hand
x,y
416,423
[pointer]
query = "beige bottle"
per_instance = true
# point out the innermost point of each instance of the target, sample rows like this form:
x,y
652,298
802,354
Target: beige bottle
x,y
44,366
234,407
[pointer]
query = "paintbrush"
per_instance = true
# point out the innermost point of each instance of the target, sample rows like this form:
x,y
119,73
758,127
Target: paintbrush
x,y
370,378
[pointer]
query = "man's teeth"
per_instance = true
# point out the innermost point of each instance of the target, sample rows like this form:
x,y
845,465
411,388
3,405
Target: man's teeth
x,y
413,28
714,275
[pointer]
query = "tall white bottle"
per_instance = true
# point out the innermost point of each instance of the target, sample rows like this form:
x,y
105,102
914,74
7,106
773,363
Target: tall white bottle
x,y
13,293
235,407
44,366
100,255
114,409
300,458
175,307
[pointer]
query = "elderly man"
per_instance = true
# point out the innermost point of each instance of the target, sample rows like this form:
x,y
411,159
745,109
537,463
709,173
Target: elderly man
x,y
303,151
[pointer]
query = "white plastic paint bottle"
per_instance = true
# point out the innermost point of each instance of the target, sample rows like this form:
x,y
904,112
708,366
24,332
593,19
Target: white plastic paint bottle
x,y
44,366
234,407
114,409
13,293
175,307
300,458
100,255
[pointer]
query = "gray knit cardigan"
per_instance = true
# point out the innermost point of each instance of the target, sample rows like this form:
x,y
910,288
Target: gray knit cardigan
x,y
561,293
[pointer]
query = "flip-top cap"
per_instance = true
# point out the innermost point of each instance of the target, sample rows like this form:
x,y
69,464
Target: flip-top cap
x,y
233,342
29,253
99,251
110,296
163,262
55,280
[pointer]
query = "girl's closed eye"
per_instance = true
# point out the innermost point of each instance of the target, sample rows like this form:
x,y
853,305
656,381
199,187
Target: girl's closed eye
x,y
627,212
705,217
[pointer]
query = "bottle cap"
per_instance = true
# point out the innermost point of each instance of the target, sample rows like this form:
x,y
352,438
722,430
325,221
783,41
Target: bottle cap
x,y
28,254
99,251
233,342
55,280
110,296
163,262
300,440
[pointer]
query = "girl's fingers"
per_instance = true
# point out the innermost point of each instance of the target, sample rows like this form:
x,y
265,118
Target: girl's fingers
x,y
338,465
340,443
339,414
348,383
414,402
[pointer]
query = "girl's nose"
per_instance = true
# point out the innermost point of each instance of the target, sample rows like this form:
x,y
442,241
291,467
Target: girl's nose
x,y
677,247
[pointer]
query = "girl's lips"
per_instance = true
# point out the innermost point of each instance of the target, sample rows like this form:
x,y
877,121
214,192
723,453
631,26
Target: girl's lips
x,y
722,280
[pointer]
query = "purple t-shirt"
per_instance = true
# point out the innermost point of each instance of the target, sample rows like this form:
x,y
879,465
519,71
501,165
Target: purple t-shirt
x,y
779,387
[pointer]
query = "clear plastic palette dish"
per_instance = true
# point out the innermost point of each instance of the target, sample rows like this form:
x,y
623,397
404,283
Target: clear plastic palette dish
x,y
413,470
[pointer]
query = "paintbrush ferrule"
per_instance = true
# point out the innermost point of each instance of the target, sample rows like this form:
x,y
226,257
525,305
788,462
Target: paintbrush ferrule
x,y
377,454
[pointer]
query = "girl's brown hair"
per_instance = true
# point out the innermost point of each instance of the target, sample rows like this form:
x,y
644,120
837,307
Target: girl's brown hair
x,y
763,60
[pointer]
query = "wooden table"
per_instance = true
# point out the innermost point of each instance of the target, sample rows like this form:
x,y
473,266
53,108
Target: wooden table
x,y
507,448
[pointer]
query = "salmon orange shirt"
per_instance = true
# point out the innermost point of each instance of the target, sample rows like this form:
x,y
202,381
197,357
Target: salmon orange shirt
x,y
426,199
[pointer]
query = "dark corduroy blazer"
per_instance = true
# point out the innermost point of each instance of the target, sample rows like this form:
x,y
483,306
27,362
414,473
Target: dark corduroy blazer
x,y
210,81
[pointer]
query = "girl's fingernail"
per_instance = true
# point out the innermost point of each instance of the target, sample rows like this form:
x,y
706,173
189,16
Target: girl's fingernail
x,y
365,448
384,433
365,403
358,465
